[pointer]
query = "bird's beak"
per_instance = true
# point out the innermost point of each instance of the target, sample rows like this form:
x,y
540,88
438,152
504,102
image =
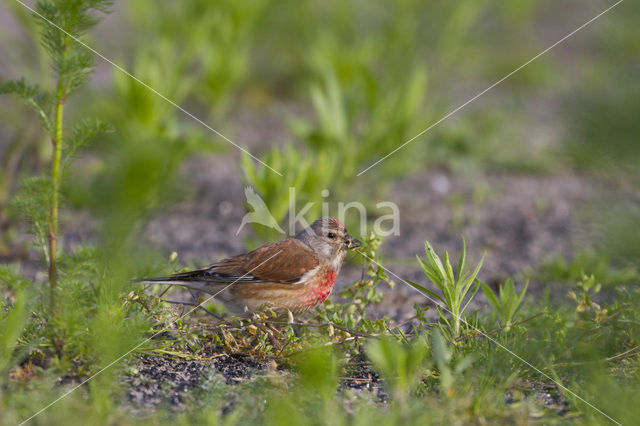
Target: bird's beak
x,y
351,242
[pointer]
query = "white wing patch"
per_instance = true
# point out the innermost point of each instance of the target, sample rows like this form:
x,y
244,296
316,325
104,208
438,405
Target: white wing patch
x,y
309,274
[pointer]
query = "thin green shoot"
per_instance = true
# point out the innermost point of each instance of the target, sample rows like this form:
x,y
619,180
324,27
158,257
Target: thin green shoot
x,y
456,290
507,302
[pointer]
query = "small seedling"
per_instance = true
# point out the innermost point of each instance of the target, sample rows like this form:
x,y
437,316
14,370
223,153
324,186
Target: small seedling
x,y
454,290
583,293
507,303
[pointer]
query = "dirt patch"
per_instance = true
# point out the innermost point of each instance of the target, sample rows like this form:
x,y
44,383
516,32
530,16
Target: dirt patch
x,y
202,229
360,377
174,384
518,221
154,382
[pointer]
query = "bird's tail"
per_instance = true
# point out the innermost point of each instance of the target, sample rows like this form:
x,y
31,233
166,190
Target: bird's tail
x,y
194,285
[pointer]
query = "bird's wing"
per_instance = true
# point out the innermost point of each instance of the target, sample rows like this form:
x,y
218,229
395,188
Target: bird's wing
x,y
284,261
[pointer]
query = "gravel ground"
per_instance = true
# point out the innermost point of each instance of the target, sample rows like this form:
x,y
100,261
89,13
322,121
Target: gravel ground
x,y
154,382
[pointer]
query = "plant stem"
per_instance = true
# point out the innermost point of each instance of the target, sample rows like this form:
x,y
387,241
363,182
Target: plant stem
x,y
61,95
455,317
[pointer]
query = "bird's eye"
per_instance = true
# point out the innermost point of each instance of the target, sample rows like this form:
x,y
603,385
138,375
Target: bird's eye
x,y
331,235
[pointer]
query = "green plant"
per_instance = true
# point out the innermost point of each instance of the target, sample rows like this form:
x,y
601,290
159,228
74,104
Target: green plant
x,y
89,324
32,202
401,365
598,263
30,148
13,316
312,390
378,96
454,288
391,111
582,294
62,20
303,182
507,303
205,47
442,357
328,365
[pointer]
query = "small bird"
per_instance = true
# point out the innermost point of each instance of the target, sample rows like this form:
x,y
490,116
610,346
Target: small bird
x,y
291,275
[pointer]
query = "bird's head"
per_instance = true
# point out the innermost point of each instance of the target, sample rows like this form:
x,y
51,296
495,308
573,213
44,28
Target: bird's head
x,y
329,238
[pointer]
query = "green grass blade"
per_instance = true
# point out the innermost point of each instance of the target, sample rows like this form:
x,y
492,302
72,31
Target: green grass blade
x,y
473,293
491,297
429,292
462,260
433,259
449,269
430,273
521,297
475,271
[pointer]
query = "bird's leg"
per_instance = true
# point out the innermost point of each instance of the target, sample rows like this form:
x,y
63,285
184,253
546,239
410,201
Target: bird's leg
x,y
213,314
165,290
272,328
290,321
176,302
194,296
272,339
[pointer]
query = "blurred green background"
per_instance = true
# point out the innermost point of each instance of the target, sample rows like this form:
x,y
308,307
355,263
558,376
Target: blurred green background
x,y
319,91
340,84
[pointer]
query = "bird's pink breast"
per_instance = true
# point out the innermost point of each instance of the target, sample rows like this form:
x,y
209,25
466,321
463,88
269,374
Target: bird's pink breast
x,y
318,293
